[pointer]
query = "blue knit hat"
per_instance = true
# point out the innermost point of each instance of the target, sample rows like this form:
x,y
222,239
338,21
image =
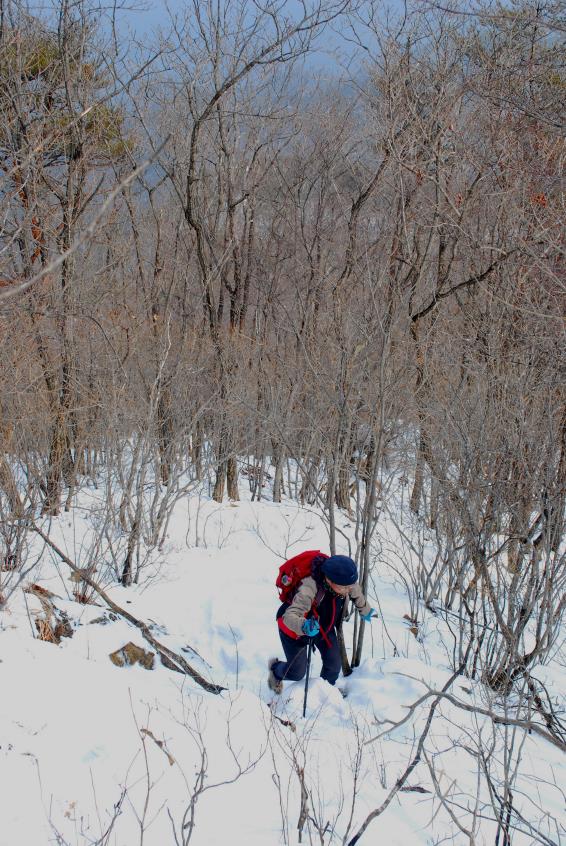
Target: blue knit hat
x,y
340,569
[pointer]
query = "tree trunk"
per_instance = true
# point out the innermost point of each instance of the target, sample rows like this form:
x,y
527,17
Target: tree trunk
x,y
232,479
279,459
220,482
165,433
196,448
556,519
227,470
55,467
343,486
417,492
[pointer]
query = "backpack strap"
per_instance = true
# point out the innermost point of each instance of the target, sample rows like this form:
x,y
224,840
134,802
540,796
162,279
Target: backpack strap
x,y
318,598
316,602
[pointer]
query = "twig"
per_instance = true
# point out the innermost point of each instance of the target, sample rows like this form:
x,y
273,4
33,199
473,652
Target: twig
x,y
526,725
403,778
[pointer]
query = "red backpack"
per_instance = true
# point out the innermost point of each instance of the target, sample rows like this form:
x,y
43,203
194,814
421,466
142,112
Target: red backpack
x,y
293,571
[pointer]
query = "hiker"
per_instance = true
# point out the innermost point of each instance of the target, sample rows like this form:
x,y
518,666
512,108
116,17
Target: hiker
x,y
314,611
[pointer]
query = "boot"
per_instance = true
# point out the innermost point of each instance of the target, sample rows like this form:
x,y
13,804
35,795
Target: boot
x,y
275,684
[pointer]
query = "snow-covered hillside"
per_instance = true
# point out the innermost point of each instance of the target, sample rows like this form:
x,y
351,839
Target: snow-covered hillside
x,y
93,753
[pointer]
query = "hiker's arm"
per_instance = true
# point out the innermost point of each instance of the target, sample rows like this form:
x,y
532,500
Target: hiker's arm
x,y
359,600
292,620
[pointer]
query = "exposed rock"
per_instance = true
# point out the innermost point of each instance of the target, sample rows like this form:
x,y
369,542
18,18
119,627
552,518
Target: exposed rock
x,y
104,619
131,654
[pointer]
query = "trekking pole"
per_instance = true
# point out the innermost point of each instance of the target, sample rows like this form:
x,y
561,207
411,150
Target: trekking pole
x,y
309,653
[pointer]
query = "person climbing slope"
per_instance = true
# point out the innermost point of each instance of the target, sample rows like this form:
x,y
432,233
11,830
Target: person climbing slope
x,y
313,591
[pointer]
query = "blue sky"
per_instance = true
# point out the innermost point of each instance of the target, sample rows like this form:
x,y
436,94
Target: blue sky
x,y
145,21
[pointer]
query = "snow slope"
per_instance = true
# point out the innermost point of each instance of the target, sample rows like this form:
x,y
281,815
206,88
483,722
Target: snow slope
x,y
94,753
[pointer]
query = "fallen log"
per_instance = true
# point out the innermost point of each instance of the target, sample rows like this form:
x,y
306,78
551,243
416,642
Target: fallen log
x,y
170,659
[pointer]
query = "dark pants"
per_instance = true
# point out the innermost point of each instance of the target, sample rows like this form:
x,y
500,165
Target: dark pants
x,y
295,667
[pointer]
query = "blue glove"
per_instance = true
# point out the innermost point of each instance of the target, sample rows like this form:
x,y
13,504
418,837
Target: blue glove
x,y
311,627
367,617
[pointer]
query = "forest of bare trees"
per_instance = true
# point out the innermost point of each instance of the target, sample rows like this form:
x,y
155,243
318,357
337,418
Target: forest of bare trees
x,y
221,260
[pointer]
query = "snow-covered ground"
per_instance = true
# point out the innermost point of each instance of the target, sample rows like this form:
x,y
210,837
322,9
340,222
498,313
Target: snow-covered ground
x,y
94,753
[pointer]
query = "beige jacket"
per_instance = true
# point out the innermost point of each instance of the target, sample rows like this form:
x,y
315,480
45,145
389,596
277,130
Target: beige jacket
x,y
292,620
